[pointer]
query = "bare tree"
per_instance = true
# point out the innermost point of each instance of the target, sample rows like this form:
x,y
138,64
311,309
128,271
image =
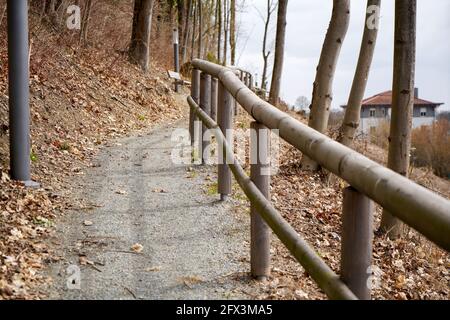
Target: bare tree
x,y
323,84
200,30
226,19
3,14
233,31
186,31
219,28
402,100
279,53
302,104
271,7
85,21
194,29
353,111
139,51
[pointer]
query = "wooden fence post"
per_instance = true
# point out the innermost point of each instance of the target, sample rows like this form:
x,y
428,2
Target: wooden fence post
x,y
260,175
225,121
205,105
356,244
195,94
214,97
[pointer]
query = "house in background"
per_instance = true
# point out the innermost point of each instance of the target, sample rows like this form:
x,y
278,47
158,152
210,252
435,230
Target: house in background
x,y
377,109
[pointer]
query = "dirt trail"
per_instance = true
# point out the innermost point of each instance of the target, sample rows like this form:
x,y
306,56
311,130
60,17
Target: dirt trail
x,y
192,244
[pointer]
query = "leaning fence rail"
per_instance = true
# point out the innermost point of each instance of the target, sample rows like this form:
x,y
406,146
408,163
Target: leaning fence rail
x,y
418,207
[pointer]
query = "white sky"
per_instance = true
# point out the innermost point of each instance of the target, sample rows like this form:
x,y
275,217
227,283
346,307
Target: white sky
x,y
307,23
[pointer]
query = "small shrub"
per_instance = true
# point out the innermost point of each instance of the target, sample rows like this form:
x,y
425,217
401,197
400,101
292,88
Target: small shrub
x,y
431,147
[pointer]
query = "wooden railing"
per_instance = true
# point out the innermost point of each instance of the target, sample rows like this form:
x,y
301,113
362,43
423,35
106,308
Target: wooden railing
x,y
215,88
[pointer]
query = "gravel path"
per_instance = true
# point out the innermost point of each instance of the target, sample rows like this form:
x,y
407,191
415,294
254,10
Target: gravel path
x,y
193,245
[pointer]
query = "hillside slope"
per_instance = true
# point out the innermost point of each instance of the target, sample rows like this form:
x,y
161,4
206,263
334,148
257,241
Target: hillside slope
x,y
80,99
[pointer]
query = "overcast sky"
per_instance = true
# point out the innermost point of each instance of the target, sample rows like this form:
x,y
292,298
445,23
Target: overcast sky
x,y
307,23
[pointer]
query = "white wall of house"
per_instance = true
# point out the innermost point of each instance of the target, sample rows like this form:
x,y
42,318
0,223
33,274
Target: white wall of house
x,y
422,121
367,123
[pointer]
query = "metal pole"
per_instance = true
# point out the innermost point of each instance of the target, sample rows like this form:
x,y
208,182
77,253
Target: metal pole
x,y
205,105
214,88
176,57
260,175
225,122
19,108
195,94
356,245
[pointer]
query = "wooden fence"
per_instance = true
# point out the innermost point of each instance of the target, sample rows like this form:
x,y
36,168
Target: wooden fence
x,y
213,94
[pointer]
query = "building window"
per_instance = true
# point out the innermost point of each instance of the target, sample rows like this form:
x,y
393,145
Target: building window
x,y
383,112
423,112
372,113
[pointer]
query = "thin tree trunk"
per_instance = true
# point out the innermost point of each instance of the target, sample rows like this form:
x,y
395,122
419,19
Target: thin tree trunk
x,y
233,31
279,53
402,100
186,33
264,54
200,30
353,111
226,16
194,30
85,21
139,52
219,30
323,84
3,14
181,16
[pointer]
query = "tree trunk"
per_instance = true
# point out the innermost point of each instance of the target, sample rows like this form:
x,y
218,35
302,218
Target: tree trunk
x,y
353,111
219,29
402,100
194,30
279,53
186,32
265,52
200,30
85,21
323,84
139,52
233,31
226,18
181,16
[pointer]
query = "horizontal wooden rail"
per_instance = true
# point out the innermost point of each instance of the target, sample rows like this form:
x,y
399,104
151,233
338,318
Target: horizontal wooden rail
x,y
327,280
418,207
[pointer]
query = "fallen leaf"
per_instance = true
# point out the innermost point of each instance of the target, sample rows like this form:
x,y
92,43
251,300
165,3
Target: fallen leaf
x,y
153,269
137,247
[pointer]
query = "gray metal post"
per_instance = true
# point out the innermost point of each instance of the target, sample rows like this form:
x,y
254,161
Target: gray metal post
x,y
176,57
205,105
195,94
214,93
356,245
260,175
19,108
225,122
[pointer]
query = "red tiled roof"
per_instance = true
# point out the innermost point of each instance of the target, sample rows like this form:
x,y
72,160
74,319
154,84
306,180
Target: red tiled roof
x,y
385,98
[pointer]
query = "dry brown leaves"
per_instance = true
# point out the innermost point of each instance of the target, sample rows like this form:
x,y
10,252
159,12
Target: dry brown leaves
x,y
411,268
